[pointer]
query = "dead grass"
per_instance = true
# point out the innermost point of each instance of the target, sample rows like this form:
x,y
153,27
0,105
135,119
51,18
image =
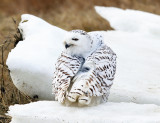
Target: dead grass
x,y
67,14
9,94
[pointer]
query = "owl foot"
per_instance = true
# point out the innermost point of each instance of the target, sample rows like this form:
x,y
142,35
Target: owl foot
x,y
78,95
84,100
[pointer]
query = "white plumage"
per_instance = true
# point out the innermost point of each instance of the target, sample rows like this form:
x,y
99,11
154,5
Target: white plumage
x,y
85,70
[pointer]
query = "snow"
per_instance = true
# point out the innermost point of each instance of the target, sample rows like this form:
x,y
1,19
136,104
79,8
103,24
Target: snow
x,y
53,112
138,55
31,62
137,45
130,20
137,77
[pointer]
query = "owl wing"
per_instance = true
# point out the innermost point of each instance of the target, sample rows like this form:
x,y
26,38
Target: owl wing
x,y
105,60
97,81
65,69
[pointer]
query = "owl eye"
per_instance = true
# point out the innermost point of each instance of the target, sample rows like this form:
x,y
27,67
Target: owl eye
x,y
75,39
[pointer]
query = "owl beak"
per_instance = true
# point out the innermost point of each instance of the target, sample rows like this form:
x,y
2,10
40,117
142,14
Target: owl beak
x,y
67,46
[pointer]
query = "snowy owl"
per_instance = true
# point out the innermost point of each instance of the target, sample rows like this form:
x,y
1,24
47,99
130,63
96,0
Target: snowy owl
x,y
85,70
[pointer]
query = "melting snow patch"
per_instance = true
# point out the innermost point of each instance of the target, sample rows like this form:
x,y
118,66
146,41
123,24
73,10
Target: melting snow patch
x,y
53,112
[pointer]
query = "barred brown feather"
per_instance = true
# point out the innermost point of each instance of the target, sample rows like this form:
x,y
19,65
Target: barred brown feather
x,y
100,79
66,68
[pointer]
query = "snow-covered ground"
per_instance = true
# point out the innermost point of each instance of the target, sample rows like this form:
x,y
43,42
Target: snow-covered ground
x,y
130,20
137,46
53,112
138,67
136,41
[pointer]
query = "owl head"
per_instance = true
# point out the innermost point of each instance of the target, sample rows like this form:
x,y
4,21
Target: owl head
x,y
78,42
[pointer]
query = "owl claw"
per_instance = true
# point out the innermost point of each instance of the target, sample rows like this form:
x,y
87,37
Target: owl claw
x,y
84,100
72,97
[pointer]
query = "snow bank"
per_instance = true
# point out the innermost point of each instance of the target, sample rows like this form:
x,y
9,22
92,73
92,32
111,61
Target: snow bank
x,y
31,62
53,112
138,63
131,20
